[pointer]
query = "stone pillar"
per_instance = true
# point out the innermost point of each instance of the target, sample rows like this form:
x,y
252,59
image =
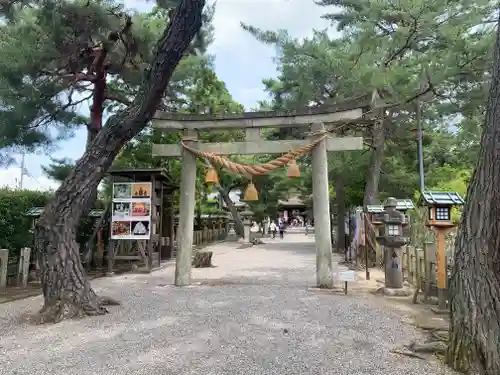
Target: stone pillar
x,y
24,266
393,268
4,258
186,218
321,208
247,225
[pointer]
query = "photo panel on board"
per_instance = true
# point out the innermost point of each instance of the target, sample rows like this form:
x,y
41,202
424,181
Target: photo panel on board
x,y
121,209
140,228
122,191
141,209
141,190
120,228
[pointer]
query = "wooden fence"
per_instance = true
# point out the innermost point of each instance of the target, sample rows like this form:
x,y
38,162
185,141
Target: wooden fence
x,y
207,236
419,267
14,265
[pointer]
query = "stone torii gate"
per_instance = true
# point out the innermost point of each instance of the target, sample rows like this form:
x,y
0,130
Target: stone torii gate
x,y
253,122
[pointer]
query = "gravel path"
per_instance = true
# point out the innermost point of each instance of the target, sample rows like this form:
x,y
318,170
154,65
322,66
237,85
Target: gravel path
x,y
262,321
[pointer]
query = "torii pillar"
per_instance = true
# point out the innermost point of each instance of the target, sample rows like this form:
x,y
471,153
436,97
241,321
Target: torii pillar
x,y
321,210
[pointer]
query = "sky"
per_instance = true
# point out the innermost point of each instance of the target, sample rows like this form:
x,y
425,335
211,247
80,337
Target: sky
x,y
240,61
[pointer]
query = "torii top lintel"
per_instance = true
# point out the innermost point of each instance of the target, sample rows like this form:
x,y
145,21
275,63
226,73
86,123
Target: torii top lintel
x,y
349,110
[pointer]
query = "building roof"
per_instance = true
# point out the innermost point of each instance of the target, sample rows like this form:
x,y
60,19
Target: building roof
x,y
142,175
401,205
446,198
38,211
293,201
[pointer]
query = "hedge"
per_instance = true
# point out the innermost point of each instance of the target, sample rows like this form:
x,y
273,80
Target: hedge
x,y
15,227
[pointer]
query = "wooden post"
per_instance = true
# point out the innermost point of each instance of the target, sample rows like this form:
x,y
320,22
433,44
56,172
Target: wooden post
x,y
100,250
4,259
186,219
161,224
367,267
411,272
408,264
441,267
152,224
321,208
171,224
112,244
24,265
418,272
427,273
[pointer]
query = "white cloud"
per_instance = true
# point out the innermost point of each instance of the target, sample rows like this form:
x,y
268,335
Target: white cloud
x,y
298,17
241,60
10,177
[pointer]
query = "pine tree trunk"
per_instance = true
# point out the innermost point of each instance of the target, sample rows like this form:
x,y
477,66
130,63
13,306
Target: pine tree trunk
x,y
97,108
238,223
66,289
376,161
474,345
341,211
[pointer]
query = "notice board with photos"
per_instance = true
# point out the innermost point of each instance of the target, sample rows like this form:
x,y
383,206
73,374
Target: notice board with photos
x,y
131,214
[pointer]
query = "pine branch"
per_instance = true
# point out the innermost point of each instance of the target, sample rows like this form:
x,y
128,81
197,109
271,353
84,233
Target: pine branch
x,y
63,74
117,98
185,23
52,116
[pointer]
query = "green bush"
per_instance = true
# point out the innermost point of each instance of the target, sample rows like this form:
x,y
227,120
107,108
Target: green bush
x,y
15,227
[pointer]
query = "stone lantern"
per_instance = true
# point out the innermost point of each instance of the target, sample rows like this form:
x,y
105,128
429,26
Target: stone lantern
x,y
247,215
231,233
393,238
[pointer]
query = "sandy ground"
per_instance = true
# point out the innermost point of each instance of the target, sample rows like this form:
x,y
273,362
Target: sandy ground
x,y
251,314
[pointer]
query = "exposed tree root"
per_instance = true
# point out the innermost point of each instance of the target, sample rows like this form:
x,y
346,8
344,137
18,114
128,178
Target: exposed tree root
x,y
437,344
408,354
108,301
440,336
66,309
432,347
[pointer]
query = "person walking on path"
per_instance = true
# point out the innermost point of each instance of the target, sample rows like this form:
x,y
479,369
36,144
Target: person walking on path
x,y
273,228
282,230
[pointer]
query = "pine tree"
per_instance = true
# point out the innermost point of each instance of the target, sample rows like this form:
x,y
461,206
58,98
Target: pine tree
x,y
66,289
475,282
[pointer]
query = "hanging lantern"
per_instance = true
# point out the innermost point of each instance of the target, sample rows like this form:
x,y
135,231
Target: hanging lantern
x,y
251,193
293,169
211,176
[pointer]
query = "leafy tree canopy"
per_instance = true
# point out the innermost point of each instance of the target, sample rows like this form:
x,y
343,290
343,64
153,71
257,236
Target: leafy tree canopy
x,y
51,70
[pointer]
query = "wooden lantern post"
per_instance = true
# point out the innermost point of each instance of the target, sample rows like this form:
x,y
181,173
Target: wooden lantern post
x,y
439,207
